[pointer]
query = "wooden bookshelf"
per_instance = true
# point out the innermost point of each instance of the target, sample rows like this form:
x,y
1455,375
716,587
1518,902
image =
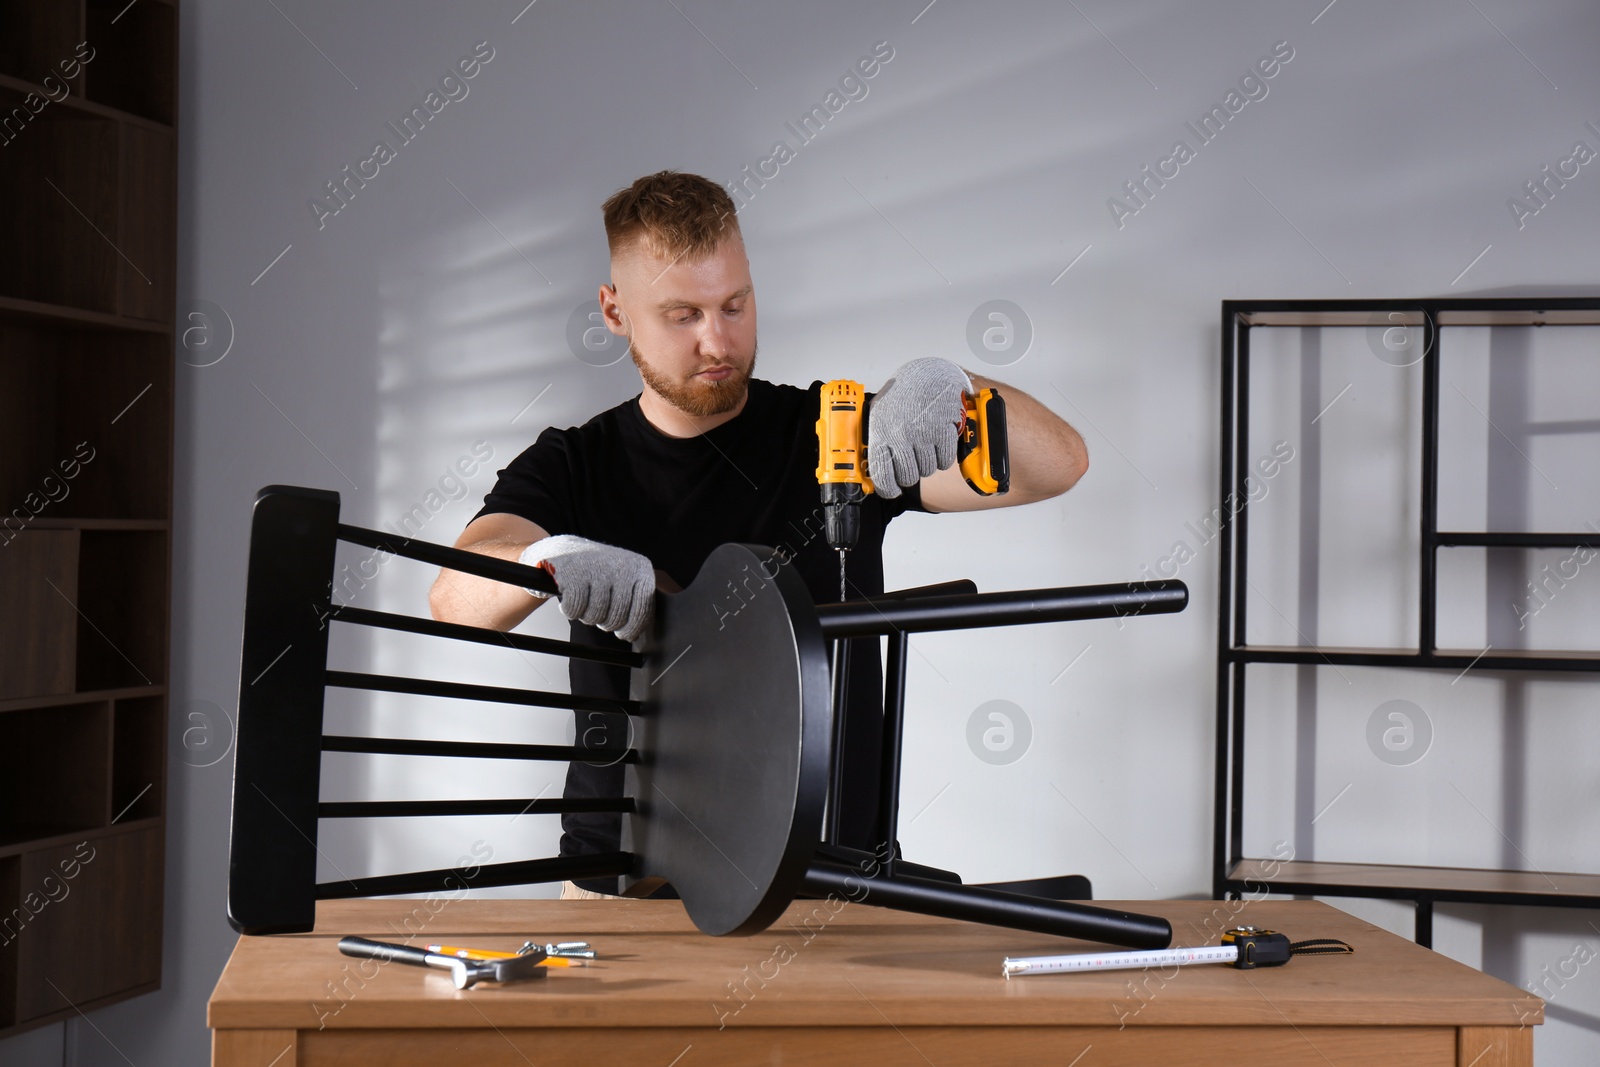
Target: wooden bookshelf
x,y
88,176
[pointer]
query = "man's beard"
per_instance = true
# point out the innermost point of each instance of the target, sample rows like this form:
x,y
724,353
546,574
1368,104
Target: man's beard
x,y
698,397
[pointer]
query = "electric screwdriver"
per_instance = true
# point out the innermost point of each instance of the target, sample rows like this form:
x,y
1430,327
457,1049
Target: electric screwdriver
x,y
842,431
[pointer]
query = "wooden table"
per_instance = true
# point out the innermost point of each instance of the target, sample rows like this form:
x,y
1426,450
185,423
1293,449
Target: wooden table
x,y
839,982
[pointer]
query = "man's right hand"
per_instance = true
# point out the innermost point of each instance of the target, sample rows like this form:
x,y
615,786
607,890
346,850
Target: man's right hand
x,y
913,424
600,585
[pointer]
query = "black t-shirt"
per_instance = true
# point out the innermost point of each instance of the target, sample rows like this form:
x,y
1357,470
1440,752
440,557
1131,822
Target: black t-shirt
x,y
618,480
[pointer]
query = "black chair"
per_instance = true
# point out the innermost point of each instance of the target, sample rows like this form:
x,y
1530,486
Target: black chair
x,y
729,771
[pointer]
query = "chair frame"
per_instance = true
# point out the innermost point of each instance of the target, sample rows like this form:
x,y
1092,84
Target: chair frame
x,y
273,847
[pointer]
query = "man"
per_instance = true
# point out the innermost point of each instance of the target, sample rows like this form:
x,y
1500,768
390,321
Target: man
x,y
636,498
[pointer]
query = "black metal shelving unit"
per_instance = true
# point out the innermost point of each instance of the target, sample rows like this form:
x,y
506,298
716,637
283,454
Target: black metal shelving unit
x,y
1233,872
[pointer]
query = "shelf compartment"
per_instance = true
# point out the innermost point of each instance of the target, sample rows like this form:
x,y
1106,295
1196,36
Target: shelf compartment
x,y
92,209
138,758
1453,884
134,68
109,912
38,39
38,586
1320,480
122,609
147,217
1519,599
57,780
59,184
85,422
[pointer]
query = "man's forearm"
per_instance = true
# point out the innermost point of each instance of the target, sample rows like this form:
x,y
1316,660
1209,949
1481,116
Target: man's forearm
x,y
473,601
1046,455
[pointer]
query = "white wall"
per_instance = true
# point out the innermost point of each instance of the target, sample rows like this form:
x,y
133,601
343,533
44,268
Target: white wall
x,y
428,313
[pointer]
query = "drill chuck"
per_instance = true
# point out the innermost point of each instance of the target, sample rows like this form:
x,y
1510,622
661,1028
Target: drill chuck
x,y
841,503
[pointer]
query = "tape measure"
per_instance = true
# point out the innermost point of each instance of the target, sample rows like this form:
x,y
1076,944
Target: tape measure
x,y
1245,947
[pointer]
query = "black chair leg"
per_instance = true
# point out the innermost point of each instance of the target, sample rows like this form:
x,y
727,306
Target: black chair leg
x,y
1061,887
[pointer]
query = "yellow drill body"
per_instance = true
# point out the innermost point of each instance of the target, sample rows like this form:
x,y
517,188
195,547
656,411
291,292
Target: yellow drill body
x,y
842,429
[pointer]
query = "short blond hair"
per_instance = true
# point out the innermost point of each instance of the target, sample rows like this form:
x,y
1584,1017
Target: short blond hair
x,y
675,215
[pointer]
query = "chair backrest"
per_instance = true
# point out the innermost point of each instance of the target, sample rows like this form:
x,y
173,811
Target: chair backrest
x,y
724,785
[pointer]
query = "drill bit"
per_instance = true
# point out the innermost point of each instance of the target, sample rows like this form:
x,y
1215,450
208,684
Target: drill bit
x,y
841,575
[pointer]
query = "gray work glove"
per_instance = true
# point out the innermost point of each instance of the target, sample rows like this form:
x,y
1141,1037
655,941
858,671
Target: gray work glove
x,y
913,422
600,585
